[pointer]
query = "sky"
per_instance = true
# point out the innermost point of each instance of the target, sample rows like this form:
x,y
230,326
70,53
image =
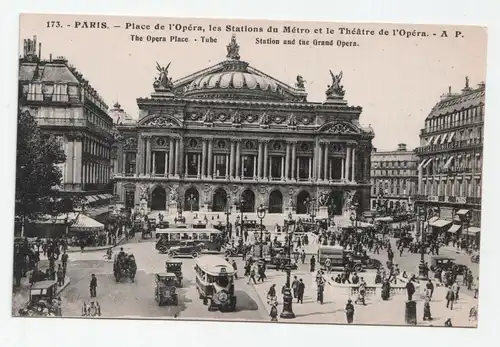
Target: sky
x,y
395,79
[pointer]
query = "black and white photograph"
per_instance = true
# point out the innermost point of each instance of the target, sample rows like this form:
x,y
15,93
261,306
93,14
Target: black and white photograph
x,y
248,170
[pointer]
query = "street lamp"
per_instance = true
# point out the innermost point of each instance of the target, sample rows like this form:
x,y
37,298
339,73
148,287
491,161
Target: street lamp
x,y
227,213
311,207
287,312
424,215
241,205
191,200
261,213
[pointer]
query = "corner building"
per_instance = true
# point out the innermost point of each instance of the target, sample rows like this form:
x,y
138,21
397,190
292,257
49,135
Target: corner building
x,y
231,133
450,161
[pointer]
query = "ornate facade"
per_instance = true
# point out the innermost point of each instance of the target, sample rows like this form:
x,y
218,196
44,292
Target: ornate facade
x,y
450,159
231,133
66,106
394,177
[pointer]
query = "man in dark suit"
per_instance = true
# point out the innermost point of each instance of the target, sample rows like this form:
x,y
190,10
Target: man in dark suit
x,y
410,289
300,291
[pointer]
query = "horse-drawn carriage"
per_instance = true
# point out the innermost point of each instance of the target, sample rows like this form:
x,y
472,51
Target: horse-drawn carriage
x,y
43,301
124,266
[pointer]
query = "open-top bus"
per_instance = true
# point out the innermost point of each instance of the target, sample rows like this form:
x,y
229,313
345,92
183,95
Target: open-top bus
x,y
211,238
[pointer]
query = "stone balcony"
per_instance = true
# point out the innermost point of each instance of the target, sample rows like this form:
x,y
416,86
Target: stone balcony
x,y
448,199
450,146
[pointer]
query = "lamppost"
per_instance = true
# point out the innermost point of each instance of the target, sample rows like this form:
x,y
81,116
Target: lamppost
x,y
465,225
227,213
261,213
424,215
311,207
241,204
287,312
191,200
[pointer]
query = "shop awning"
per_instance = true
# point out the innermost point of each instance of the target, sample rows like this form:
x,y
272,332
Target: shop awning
x,y
90,198
441,223
108,196
450,138
473,230
426,164
102,197
85,223
454,228
448,162
422,163
433,219
443,138
384,219
429,142
436,140
462,212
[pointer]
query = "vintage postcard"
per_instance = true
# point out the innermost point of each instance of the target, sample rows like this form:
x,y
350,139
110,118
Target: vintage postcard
x,y
243,170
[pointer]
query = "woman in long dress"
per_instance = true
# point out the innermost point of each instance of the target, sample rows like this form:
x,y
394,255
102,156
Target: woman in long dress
x,y
386,290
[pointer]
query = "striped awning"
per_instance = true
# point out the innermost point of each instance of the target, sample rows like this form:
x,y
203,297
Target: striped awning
x,y
426,164
429,141
473,230
454,228
85,223
443,138
440,223
450,137
422,163
90,198
436,140
448,162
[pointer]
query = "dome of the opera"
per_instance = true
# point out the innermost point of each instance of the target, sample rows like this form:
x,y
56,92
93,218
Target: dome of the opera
x,y
235,81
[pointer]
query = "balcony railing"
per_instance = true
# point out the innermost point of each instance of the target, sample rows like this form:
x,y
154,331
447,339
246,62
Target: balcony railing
x,y
451,145
459,169
448,199
73,122
451,126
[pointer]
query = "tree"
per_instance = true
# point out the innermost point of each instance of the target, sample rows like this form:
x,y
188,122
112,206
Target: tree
x,y
37,174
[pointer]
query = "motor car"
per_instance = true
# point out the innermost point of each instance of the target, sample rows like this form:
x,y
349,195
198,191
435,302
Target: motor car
x,y
188,247
175,267
440,263
166,289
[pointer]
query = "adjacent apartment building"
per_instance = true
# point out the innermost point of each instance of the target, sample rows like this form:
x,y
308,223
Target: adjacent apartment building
x,y
394,177
450,162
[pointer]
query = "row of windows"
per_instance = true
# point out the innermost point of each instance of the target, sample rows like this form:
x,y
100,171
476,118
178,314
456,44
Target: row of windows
x,y
451,187
405,190
390,164
469,116
440,164
92,147
394,172
96,120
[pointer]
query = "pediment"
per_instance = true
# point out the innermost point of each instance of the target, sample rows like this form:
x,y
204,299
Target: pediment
x,y
160,121
341,128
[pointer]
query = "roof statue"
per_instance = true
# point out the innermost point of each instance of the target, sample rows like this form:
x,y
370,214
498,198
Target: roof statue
x,y
335,89
233,49
163,82
300,82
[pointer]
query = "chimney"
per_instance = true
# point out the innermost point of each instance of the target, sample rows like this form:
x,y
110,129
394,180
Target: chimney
x,y
40,50
467,87
374,150
449,90
402,147
50,57
481,85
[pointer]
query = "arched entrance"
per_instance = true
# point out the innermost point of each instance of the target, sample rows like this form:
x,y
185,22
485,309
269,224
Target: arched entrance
x,y
159,199
219,200
129,199
336,202
192,200
276,202
248,198
301,206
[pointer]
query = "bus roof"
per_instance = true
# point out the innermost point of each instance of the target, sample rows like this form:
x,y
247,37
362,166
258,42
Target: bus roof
x,y
187,230
214,265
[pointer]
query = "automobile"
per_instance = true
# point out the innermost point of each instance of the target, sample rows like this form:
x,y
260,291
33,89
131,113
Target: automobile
x,y
166,289
187,247
43,300
175,267
368,263
234,250
330,257
440,263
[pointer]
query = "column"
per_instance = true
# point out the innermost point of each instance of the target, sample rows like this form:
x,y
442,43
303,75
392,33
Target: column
x,y
254,167
177,155
238,159
181,152
227,166
264,160
353,176
171,158
297,170
231,160
210,155
287,160
325,173
186,165
342,169
77,179
294,154
203,158
310,168
148,155
319,173
315,160
69,161
200,161
330,169
154,163
270,175
259,161
282,168
166,166
348,163
124,163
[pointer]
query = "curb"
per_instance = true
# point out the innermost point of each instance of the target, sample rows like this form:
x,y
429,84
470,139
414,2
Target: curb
x,y
67,281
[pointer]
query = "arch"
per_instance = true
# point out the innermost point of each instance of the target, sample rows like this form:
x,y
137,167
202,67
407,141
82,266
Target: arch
x,y
248,198
275,202
301,206
219,200
129,198
191,199
160,121
159,199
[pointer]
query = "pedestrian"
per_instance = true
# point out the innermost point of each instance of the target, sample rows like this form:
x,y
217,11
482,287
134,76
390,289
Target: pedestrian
x,y
303,256
235,267
300,291
252,276
60,275
312,263
295,285
349,311
448,323
321,289
430,289
450,298
476,288
64,260
93,286
362,292
427,309
274,312
456,290
296,255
